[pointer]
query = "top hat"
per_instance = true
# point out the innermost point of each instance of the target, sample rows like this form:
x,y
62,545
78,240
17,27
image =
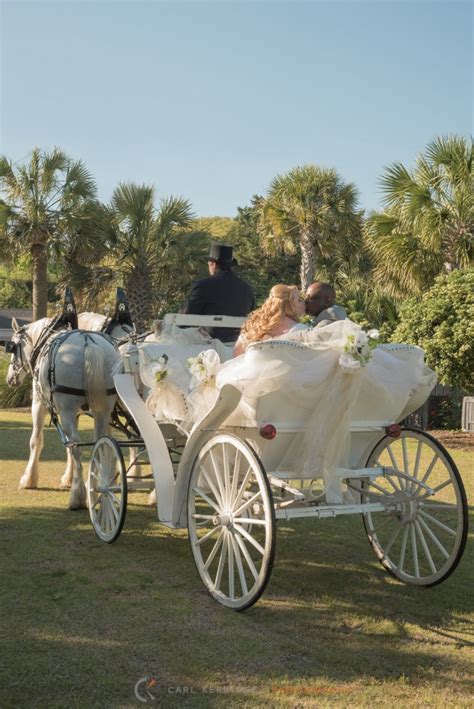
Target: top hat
x,y
222,255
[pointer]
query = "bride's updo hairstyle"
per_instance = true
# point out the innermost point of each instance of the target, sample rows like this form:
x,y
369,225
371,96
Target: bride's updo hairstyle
x,y
282,302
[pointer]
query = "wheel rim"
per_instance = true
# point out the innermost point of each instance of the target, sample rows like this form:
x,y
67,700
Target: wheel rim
x,y
420,536
107,490
231,521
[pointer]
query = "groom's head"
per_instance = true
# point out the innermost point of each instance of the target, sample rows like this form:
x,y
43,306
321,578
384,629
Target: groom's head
x,y
319,296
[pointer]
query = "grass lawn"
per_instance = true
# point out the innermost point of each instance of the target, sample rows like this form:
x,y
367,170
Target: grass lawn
x,y
83,621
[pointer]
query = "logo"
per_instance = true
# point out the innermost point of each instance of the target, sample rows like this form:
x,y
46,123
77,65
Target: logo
x,y
146,690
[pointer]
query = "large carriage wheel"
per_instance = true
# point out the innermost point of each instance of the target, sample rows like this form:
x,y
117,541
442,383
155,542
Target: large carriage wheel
x,y
107,489
231,521
420,536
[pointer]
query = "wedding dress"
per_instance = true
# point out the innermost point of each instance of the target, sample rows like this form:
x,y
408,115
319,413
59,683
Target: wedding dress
x,y
311,383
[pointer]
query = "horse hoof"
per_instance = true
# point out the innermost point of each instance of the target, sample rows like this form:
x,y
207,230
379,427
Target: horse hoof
x,y
77,506
27,485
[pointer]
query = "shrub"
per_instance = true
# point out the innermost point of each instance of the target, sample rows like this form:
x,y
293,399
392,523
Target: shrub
x,y
441,321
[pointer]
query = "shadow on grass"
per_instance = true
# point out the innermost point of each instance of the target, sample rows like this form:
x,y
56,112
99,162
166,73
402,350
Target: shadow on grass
x,y
93,618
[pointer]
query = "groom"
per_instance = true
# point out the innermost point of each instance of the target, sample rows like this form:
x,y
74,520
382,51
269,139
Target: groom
x,y
320,304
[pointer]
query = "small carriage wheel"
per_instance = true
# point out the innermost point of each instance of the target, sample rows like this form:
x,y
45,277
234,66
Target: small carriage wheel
x,y
107,489
420,536
231,521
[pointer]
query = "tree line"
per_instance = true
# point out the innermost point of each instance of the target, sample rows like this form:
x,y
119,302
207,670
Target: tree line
x,y
307,226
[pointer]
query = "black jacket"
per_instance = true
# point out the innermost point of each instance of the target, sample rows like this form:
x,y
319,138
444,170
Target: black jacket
x,y
224,293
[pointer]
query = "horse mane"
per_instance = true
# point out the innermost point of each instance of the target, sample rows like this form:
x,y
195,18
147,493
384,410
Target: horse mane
x,y
35,329
91,321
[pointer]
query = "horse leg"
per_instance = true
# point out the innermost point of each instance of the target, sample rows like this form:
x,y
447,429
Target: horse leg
x,y
77,499
29,478
66,479
135,468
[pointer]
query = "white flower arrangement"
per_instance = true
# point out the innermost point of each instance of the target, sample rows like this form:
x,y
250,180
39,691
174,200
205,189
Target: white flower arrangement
x,y
204,367
358,350
198,369
159,369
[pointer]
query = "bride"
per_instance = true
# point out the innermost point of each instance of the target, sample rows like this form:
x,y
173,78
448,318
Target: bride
x,y
279,315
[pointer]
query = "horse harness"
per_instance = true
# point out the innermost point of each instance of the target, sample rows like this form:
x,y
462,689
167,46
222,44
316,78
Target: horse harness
x,y
51,348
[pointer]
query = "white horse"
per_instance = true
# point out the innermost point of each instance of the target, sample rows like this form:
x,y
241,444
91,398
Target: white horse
x,y
74,368
87,321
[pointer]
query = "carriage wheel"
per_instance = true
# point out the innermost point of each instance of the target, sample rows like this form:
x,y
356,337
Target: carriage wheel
x,y
231,521
107,489
420,536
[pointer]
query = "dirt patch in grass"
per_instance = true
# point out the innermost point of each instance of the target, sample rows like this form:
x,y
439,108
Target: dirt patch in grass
x,y
455,439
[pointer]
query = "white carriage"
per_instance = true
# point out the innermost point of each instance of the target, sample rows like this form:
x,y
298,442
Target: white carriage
x,y
229,477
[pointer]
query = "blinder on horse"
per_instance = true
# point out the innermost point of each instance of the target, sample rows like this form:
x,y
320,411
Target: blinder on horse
x,y
11,347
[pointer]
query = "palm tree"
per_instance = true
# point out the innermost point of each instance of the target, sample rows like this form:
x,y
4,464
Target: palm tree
x,y
49,208
312,210
427,227
152,252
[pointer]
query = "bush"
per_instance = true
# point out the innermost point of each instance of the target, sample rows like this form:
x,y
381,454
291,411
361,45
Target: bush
x,y
442,323
12,398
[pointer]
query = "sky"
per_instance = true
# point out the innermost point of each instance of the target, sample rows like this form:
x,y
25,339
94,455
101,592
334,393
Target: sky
x,y
211,100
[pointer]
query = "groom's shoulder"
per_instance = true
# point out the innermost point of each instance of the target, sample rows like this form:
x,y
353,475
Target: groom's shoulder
x,y
331,314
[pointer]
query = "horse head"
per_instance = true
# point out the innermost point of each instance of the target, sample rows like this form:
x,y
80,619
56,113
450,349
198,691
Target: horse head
x,y
19,348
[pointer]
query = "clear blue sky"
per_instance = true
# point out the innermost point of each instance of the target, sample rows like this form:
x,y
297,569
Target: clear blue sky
x,y
210,100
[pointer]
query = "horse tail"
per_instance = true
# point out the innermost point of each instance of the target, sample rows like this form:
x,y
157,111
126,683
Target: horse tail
x,y
94,375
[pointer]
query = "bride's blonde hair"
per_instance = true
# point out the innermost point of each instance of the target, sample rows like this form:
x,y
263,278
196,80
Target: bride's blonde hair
x,y
281,303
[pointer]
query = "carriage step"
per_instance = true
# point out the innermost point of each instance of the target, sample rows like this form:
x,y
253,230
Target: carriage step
x,y
345,473
324,511
138,484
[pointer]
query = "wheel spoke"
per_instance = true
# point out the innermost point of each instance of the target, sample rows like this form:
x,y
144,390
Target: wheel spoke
x,y
382,524
439,524
379,488
394,464
225,460
434,538
207,536
429,470
249,502
214,549
240,568
397,488
403,549
406,464
247,556
207,478
202,494
425,547
235,478
114,511
230,555
438,506
217,474
414,550
417,465
242,487
250,539
395,534
249,520
220,567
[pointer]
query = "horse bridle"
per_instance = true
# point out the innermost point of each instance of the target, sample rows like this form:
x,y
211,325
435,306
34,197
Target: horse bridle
x,y
14,347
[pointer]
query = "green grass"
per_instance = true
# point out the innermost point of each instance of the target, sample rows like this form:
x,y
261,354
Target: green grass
x,y
83,621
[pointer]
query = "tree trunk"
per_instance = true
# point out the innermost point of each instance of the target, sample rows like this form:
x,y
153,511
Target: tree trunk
x,y
139,289
40,281
308,259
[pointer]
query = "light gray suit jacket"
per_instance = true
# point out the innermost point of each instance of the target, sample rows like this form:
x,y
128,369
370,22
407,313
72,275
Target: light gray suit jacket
x,y
335,312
